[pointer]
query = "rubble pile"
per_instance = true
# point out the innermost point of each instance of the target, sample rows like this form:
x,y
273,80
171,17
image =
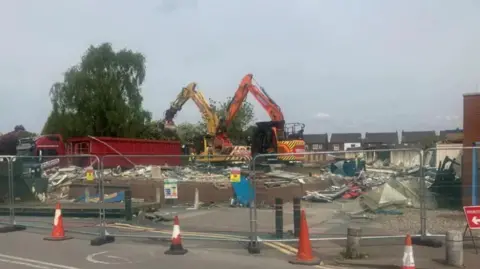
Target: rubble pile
x,y
59,179
379,187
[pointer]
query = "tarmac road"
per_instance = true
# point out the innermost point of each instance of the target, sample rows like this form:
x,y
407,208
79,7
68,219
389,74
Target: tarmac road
x,y
27,249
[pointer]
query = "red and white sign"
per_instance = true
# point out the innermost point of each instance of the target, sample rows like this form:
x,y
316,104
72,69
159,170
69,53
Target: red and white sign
x,y
472,214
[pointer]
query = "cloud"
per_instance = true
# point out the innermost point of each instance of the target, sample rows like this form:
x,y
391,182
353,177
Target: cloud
x,y
448,118
321,115
170,6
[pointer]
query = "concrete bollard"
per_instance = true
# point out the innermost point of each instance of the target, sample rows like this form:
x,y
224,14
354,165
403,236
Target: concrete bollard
x,y
353,243
454,248
158,195
196,201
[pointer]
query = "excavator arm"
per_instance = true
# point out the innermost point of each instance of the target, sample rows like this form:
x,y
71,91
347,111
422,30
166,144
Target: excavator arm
x,y
177,105
246,86
190,92
269,137
208,115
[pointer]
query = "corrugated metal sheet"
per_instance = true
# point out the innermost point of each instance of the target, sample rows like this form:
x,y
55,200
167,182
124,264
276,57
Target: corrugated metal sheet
x,y
102,146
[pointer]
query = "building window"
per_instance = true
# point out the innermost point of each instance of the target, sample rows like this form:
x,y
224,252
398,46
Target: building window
x,y
306,147
352,145
336,147
315,147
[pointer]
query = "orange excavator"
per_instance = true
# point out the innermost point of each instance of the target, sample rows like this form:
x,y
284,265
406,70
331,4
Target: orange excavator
x,y
273,136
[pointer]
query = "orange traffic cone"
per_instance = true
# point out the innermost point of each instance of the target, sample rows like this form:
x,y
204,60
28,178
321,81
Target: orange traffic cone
x,y
304,253
176,247
408,261
58,234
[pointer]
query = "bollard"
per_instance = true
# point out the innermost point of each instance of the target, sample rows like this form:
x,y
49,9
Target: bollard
x,y
279,218
158,195
454,248
128,205
296,216
196,201
353,243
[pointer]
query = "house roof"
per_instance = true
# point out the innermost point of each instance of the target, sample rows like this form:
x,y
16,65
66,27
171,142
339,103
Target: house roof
x,y
384,138
346,137
444,133
418,136
315,138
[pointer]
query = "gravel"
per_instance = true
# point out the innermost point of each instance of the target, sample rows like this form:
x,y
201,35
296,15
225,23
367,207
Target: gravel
x,y
438,221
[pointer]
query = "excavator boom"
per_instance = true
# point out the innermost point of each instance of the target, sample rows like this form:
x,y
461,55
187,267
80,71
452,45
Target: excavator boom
x,y
190,92
273,136
246,86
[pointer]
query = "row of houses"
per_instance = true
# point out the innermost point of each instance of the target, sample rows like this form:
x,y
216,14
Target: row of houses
x,y
345,141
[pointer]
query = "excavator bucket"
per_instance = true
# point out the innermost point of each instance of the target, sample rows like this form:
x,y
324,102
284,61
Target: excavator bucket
x,y
169,125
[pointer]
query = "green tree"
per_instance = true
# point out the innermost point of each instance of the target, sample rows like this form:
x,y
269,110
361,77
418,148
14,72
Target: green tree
x,y
101,96
240,127
189,132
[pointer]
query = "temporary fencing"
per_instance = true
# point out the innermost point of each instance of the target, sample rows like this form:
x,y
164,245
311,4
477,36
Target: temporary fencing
x,y
196,188
7,200
451,177
385,192
37,183
378,190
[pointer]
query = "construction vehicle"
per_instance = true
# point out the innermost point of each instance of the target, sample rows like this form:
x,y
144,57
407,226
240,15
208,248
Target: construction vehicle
x,y
212,150
275,136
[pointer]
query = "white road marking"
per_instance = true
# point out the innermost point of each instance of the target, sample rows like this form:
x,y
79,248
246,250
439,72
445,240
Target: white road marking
x,y
119,258
25,264
32,263
91,258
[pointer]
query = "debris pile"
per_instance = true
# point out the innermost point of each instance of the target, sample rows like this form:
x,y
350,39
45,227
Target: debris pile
x,y
59,179
382,187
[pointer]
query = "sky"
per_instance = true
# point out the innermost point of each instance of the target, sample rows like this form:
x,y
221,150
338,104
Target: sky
x,y
336,66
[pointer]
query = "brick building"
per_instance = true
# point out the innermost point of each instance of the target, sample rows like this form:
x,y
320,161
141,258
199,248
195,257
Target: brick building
x,y
471,131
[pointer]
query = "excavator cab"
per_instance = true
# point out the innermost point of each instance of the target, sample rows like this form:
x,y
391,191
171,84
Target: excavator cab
x,y
294,131
265,137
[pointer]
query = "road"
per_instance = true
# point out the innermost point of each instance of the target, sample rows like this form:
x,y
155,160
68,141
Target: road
x,y
27,249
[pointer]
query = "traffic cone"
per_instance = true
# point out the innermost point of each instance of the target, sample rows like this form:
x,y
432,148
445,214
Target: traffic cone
x,y
58,233
304,253
408,261
176,247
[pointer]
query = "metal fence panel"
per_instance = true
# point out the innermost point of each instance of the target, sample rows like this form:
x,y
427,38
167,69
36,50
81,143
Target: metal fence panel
x,y
196,188
40,183
6,203
379,191
449,173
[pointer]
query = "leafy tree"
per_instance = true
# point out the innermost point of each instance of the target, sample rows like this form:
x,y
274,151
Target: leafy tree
x,y
101,96
241,126
189,132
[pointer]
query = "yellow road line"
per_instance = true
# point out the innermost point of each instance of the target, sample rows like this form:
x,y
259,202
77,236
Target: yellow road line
x,y
287,247
289,250
279,246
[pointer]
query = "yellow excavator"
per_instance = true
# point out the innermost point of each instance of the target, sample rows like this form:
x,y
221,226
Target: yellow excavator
x,y
210,153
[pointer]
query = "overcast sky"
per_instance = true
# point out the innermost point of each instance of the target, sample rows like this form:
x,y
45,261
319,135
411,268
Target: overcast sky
x,y
337,66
